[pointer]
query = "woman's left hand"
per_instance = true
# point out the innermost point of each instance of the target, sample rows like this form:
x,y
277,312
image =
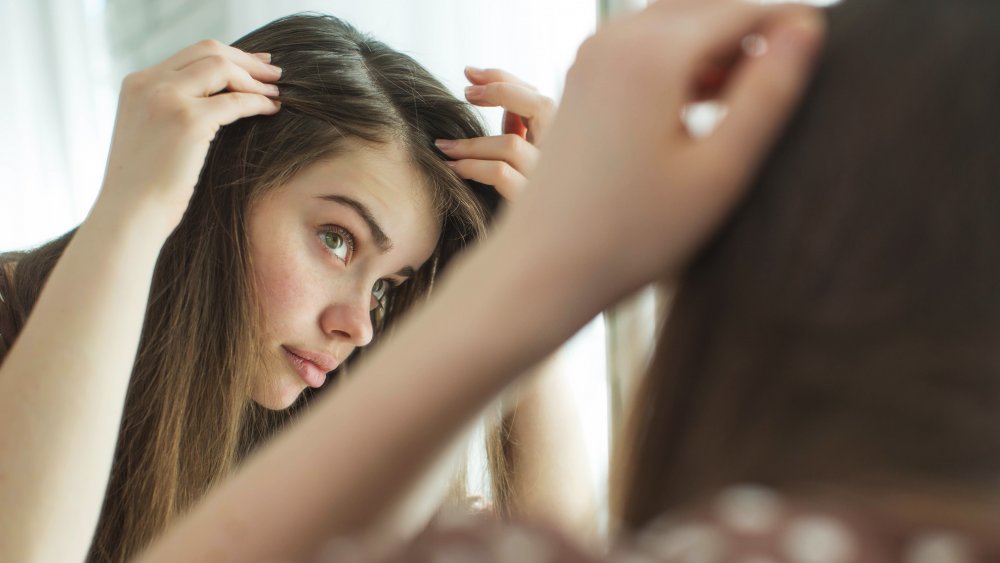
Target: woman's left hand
x,y
503,161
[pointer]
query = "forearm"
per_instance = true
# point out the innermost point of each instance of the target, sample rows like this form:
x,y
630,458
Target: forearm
x,y
62,387
360,450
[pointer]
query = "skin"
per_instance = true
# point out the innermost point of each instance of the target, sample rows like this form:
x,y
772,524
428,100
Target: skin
x,y
316,291
63,383
669,194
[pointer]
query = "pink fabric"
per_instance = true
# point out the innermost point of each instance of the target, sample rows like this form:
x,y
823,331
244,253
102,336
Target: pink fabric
x,y
740,525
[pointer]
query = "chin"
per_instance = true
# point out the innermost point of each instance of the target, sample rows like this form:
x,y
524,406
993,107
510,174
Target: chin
x,y
279,397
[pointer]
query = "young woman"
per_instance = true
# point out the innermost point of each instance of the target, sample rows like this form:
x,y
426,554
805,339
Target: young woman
x,y
227,267
833,345
621,196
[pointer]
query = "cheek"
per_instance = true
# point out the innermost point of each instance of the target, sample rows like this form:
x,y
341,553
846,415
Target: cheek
x,y
283,289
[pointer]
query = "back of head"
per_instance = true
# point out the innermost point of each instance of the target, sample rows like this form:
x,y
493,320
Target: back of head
x,y
840,331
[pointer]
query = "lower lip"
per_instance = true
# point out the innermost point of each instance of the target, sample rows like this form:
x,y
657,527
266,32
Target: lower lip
x,y
312,374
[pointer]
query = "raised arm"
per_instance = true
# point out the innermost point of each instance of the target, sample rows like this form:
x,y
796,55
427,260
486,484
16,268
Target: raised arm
x,y
621,196
63,383
547,465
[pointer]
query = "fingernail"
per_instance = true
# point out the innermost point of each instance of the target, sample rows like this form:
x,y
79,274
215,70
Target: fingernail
x,y
266,57
274,69
474,91
803,36
450,163
271,90
445,144
473,70
754,45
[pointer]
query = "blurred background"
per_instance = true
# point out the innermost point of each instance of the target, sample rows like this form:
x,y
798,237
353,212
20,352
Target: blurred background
x,y
67,59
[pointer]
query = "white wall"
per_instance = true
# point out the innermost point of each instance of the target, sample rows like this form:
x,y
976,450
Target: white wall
x,y
57,113
536,40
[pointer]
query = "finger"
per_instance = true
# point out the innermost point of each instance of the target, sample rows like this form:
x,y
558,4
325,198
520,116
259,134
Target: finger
x,y
521,100
512,149
254,65
227,108
214,73
764,90
724,24
502,176
537,110
487,75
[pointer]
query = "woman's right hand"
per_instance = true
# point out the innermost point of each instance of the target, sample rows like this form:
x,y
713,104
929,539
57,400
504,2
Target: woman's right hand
x,y
622,187
168,115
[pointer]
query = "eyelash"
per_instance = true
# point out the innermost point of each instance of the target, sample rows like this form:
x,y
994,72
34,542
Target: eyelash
x,y
348,237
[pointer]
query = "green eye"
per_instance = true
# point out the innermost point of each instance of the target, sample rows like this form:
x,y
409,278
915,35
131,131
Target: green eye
x,y
338,242
379,292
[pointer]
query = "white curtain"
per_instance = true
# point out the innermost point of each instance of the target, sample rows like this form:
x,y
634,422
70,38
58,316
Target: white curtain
x,y
57,117
536,40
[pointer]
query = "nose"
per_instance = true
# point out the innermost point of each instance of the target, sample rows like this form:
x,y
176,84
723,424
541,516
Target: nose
x,y
348,319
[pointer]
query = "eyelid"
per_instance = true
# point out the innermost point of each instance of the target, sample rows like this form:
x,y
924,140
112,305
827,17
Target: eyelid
x,y
346,234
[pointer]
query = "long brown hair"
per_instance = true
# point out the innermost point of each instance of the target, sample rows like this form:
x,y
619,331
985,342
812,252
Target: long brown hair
x,y
188,418
840,332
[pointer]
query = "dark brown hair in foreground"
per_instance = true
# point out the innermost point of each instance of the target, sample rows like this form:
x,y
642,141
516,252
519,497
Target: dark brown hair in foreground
x,y
842,330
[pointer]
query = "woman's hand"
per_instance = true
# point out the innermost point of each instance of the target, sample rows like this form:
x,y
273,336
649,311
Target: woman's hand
x,y
625,194
503,161
168,115
621,196
63,384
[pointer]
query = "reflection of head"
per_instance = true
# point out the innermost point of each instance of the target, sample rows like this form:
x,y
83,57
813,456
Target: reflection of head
x,y
340,85
842,329
188,412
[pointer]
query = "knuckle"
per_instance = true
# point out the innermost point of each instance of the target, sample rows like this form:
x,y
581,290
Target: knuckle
x,y
134,82
502,89
210,45
511,142
236,101
589,48
184,116
547,104
217,61
501,171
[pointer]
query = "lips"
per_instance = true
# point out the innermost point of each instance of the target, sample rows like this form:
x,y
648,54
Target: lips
x,y
312,367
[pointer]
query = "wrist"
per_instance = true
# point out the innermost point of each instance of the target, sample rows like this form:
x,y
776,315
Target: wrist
x,y
144,219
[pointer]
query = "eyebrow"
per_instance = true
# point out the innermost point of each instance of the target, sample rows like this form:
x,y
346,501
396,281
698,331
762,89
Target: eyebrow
x,y
382,241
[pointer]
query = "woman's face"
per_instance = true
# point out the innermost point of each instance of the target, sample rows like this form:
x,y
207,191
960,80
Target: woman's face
x,y
326,247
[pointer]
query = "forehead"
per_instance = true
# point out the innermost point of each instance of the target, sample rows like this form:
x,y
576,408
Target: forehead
x,y
385,172
384,179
